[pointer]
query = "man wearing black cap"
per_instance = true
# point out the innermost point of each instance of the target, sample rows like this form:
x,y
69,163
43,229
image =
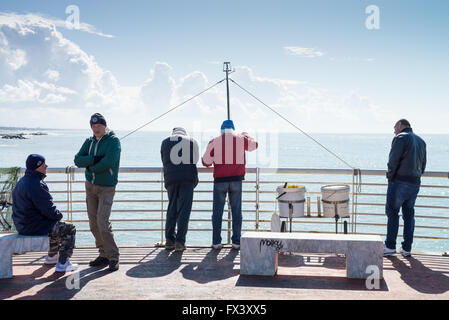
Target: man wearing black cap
x,y
100,155
34,214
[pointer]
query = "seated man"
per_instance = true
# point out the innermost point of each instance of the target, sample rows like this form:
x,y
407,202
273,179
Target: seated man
x,y
34,214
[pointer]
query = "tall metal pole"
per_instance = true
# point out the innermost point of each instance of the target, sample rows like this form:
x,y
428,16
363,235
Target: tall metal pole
x,y
227,69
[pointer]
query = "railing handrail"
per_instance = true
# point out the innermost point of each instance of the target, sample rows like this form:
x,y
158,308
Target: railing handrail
x,y
262,205
365,172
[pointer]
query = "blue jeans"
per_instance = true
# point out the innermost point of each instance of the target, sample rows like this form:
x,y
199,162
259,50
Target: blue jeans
x,y
180,197
401,195
234,189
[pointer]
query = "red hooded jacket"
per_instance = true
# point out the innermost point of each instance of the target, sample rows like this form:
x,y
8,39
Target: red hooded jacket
x,y
227,154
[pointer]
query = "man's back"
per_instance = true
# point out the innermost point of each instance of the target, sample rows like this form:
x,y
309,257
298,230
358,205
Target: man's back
x,y
33,210
407,159
227,154
179,155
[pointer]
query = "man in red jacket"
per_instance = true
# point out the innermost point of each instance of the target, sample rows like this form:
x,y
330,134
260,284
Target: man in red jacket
x,y
227,154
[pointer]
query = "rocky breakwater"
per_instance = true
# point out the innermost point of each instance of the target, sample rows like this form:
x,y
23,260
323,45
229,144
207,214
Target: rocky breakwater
x,y
20,136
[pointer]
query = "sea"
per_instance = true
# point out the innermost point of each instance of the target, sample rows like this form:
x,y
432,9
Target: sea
x,y
276,150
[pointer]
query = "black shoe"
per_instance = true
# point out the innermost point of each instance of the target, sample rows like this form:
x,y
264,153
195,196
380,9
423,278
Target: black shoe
x,y
99,262
113,265
169,244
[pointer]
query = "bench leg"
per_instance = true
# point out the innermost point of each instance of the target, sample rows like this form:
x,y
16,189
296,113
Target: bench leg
x,y
256,259
364,264
5,264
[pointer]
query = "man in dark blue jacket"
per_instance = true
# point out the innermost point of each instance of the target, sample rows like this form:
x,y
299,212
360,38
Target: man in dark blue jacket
x,y
34,214
406,164
179,154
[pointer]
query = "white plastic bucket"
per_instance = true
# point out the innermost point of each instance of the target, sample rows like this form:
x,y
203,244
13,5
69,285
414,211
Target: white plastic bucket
x,y
332,195
293,197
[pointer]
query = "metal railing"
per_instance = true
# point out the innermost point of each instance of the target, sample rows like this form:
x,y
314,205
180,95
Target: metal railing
x,y
141,201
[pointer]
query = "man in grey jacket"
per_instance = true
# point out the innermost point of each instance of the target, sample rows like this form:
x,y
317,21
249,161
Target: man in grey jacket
x,y
406,164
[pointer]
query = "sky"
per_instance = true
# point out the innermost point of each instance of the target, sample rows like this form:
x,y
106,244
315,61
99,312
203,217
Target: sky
x,y
328,66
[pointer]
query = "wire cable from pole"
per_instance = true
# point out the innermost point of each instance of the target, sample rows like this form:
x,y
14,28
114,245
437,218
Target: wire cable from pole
x,y
172,109
291,123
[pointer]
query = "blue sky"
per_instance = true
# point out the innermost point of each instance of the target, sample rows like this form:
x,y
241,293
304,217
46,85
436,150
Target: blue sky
x,y
357,80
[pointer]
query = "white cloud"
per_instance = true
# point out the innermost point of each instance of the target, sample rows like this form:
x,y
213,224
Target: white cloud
x,y
351,59
53,79
15,59
24,91
28,21
52,75
303,52
35,92
47,67
158,90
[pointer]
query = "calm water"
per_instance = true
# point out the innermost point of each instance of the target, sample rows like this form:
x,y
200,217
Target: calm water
x,y
365,151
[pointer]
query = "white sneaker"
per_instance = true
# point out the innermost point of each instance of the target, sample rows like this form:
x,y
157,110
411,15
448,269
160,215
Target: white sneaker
x,y
235,246
217,246
52,260
67,266
388,251
405,253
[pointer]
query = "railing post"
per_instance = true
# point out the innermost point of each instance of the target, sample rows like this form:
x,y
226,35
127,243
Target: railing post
x,y
257,198
68,193
353,204
229,219
70,178
162,206
318,205
308,206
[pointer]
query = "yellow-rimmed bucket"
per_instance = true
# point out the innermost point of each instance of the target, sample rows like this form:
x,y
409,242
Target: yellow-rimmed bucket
x,y
291,201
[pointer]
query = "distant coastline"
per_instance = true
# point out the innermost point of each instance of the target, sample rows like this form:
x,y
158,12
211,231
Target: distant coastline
x,y
24,128
17,133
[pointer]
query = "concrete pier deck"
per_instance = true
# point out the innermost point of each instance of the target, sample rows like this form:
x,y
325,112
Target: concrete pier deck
x,y
149,272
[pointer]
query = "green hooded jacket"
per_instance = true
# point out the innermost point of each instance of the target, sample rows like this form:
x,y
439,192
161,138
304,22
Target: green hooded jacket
x,y
105,172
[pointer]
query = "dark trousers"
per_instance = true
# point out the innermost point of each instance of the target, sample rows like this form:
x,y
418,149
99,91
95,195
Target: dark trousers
x,y
180,196
62,240
234,189
401,195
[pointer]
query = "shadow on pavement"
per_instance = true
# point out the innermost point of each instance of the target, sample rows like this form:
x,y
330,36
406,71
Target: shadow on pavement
x,y
419,277
163,264
211,268
62,286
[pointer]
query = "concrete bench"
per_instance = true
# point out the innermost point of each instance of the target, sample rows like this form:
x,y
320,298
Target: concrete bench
x,y
259,251
15,243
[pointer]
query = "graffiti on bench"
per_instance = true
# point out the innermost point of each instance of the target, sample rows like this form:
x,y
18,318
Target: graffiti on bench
x,y
277,244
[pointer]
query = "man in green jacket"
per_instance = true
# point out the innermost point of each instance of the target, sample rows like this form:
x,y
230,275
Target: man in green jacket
x,y
100,155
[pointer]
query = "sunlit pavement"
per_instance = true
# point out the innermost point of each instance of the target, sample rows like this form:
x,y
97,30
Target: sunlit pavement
x,y
149,272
